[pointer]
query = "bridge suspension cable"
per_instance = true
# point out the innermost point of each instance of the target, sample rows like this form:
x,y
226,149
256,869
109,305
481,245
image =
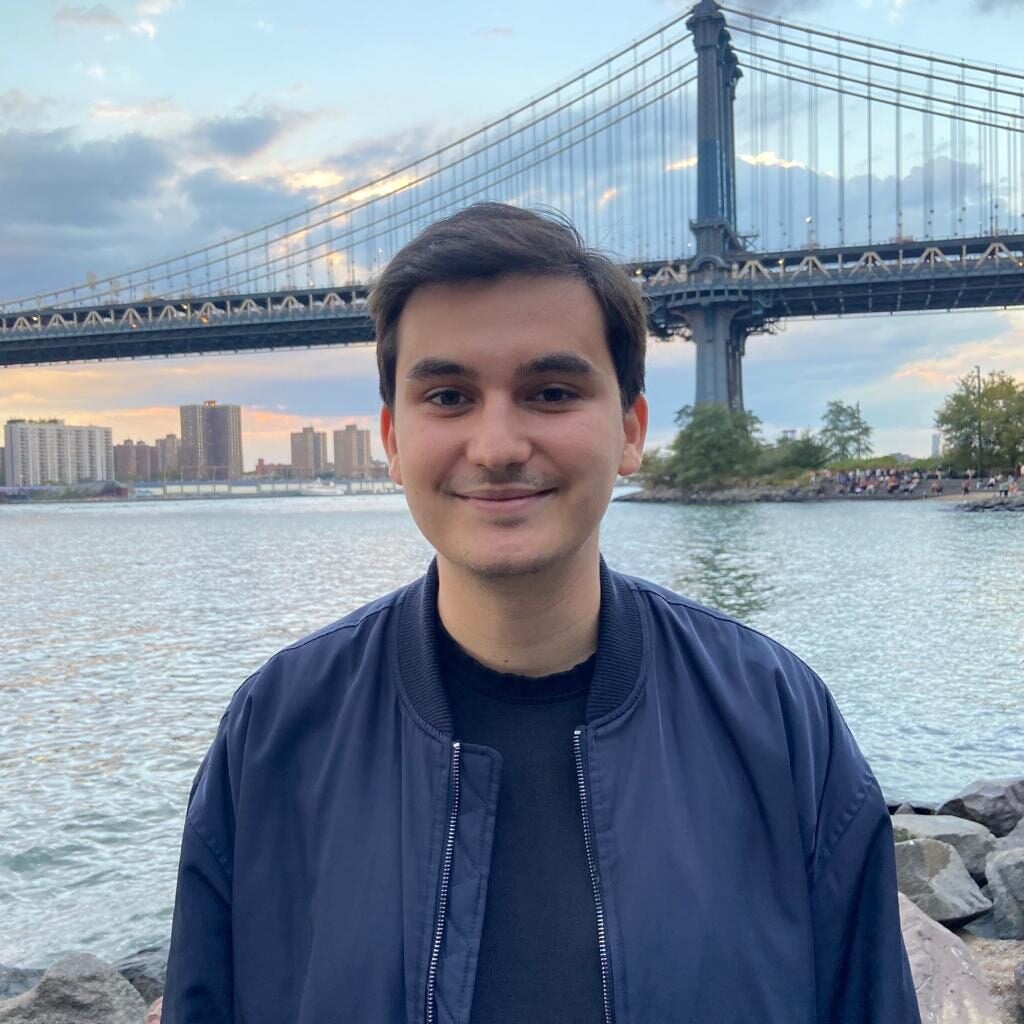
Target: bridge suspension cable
x,y
458,195
940,140
544,149
900,51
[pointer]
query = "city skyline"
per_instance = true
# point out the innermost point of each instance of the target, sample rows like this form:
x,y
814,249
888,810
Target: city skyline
x,y
266,428
164,450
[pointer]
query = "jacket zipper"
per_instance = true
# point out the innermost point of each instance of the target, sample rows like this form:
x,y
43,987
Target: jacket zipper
x,y
442,899
595,881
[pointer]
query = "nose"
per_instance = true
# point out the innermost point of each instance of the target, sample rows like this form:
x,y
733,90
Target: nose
x,y
498,437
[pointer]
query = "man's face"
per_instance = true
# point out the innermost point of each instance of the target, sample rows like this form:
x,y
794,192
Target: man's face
x,y
507,431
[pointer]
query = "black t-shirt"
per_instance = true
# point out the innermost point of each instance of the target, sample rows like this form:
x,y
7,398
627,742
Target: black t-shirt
x,y
539,960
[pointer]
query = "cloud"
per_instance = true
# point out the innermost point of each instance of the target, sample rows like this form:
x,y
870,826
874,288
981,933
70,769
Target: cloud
x,y
106,110
156,8
263,26
148,10
48,179
780,6
20,109
768,158
369,158
1003,350
68,207
683,164
238,136
97,16
495,32
1012,6
222,203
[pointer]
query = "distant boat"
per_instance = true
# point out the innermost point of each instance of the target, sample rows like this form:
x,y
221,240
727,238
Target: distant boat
x,y
319,487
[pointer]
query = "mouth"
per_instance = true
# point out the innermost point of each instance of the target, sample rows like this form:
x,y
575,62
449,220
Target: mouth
x,y
504,500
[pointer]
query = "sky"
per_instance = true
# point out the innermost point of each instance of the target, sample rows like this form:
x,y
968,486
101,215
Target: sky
x,y
131,130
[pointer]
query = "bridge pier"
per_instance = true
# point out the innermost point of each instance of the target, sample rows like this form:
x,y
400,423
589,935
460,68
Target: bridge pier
x,y
721,337
717,329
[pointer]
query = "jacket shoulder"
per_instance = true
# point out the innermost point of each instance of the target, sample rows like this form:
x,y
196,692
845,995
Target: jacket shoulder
x,y
334,656
304,684
768,699
711,629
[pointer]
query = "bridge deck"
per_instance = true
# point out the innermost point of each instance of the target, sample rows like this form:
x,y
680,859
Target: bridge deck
x,y
900,276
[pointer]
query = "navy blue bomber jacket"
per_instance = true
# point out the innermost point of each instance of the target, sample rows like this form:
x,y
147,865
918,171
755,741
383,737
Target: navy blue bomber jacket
x,y
337,841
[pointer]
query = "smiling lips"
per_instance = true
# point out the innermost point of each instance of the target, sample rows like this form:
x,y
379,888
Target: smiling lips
x,y
503,499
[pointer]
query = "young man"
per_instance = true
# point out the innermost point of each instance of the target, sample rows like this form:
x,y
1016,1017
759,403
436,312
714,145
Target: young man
x,y
526,788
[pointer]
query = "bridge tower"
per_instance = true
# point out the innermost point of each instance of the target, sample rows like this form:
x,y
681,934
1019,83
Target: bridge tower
x,y
720,323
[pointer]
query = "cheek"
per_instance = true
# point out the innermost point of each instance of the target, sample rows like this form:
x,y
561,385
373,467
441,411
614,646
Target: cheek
x,y
424,450
590,448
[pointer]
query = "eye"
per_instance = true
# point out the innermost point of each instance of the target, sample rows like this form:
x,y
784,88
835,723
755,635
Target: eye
x,y
555,394
447,398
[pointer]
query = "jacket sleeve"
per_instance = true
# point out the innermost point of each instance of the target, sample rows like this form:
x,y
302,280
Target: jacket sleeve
x,y
862,975
200,987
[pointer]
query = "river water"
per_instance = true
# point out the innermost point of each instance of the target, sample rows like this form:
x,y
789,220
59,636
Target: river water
x,y
126,628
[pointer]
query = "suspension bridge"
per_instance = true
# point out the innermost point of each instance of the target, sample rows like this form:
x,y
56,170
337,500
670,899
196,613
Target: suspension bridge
x,y
743,168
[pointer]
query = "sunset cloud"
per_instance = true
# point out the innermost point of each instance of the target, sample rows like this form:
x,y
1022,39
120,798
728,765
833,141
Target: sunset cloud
x,y
769,159
1001,351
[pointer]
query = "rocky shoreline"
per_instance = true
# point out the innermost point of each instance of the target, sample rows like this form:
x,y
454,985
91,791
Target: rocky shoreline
x,y
979,501
960,872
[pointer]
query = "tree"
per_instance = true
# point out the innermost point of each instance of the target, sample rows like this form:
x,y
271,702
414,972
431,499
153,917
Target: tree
x,y
656,469
803,452
714,444
982,422
845,432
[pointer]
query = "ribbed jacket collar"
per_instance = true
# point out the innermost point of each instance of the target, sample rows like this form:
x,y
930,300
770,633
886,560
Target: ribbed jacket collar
x,y
619,649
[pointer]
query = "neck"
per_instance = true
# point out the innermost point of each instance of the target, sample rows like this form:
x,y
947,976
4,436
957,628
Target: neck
x,y
531,625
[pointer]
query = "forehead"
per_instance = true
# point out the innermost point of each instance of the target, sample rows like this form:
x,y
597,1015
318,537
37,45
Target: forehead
x,y
494,322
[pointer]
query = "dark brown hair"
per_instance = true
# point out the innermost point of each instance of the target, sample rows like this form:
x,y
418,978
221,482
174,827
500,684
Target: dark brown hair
x,y
492,240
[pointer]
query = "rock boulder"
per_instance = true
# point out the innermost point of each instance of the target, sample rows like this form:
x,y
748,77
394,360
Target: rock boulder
x,y
1013,841
972,841
934,877
951,988
1006,889
80,989
146,970
998,804
15,980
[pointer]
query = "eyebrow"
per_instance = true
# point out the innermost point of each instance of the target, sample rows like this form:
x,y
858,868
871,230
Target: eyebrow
x,y
431,368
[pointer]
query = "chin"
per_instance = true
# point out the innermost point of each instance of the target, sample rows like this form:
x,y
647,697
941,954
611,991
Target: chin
x,y
501,565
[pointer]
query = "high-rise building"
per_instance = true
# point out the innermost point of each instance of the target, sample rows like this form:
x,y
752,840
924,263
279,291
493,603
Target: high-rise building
x,y
145,460
124,460
167,453
50,452
211,442
936,445
352,454
309,453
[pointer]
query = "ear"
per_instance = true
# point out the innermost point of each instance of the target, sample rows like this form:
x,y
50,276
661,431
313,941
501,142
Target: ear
x,y
634,425
387,437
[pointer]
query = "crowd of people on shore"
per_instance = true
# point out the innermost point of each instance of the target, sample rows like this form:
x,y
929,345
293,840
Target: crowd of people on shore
x,y
894,480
